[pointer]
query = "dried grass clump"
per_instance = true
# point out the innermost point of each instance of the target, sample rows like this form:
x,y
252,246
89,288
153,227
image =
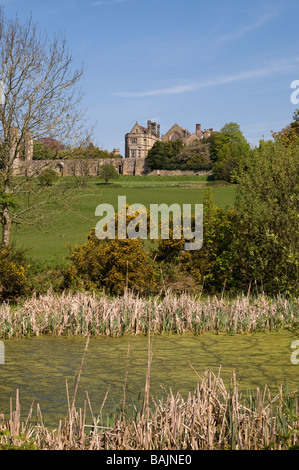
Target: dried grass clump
x,y
91,314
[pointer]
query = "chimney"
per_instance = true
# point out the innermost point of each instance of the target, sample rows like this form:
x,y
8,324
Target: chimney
x,y
198,129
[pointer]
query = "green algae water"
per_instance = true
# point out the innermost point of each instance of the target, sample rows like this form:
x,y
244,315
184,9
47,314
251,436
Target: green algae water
x,y
42,368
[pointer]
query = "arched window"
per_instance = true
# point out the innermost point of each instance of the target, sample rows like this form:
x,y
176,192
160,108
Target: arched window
x,y
175,136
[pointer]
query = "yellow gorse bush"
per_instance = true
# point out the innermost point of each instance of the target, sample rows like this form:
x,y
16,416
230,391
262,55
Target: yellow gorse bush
x,y
13,277
111,264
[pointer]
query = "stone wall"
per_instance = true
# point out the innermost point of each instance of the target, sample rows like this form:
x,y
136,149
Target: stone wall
x,y
179,172
80,167
84,167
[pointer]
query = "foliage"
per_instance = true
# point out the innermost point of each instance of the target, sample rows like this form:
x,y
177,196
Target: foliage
x,y
6,199
230,156
111,264
47,149
13,273
195,156
16,442
50,149
216,140
220,152
214,261
211,266
108,172
290,134
227,149
47,177
267,224
87,151
163,155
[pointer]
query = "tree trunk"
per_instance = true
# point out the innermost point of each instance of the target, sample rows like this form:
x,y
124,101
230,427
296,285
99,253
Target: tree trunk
x,y
6,226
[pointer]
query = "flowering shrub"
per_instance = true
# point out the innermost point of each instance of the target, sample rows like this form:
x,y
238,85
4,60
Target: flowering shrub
x,y
113,265
13,279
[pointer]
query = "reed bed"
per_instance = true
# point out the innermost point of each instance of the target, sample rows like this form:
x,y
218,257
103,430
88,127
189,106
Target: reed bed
x,y
213,417
99,315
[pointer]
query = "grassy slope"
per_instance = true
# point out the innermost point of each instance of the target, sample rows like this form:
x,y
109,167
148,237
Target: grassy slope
x,y
48,242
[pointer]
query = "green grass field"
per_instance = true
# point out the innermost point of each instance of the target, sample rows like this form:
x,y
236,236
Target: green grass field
x,y
47,241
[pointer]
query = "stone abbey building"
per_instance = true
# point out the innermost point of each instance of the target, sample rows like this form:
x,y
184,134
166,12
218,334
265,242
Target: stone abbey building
x,y
137,144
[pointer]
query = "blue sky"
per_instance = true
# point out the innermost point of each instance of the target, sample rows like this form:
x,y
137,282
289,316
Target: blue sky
x,y
184,61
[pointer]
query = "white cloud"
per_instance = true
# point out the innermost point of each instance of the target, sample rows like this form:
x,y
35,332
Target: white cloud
x,y
185,88
242,31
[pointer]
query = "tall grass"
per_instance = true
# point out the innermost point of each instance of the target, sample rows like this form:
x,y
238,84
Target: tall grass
x,y
213,417
91,314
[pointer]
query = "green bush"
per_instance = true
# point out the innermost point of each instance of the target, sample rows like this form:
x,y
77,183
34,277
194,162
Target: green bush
x,y
47,177
108,172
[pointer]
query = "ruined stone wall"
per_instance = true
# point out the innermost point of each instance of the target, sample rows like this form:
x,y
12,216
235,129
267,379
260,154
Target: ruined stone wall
x,y
86,167
179,172
81,167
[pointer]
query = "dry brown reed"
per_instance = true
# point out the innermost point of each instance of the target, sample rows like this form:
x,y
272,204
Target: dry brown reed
x,y
213,417
90,314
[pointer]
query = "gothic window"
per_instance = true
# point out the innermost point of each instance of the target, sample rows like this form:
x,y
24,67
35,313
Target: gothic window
x,y
134,140
133,153
175,136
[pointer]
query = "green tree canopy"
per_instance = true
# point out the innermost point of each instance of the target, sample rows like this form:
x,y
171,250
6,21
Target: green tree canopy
x,y
175,155
267,206
163,155
227,148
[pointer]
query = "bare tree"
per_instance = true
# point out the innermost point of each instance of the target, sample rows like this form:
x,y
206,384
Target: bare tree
x,y
39,97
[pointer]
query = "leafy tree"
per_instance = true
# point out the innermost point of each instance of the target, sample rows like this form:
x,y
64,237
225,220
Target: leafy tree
x,y
214,261
47,149
230,157
87,151
108,172
211,267
228,148
163,155
39,151
233,133
290,134
215,141
267,224
195,156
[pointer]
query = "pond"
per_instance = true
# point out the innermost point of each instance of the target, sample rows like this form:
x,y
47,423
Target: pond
x,y
40,367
